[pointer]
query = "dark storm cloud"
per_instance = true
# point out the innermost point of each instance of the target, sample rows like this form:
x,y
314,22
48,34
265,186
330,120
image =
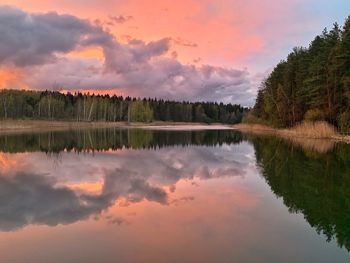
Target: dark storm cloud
x,y
39,42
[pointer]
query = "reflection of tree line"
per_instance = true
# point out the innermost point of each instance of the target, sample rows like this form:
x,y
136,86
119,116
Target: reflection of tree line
x,y
113,139
310,182
317,185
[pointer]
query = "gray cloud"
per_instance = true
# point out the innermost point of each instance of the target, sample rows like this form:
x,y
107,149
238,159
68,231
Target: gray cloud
x,y
184,42
39,43
182,200
133,57
163,78
120,19
32,39
117,221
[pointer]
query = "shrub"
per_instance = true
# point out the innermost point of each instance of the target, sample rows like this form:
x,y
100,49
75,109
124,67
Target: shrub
x,y
250,118
314,115
344,121
140,112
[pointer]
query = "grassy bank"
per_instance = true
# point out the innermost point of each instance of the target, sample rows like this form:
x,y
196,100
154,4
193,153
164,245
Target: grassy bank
x,y
25,126
307,130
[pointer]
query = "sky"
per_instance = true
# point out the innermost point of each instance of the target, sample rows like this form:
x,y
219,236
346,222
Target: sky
x,y
196,50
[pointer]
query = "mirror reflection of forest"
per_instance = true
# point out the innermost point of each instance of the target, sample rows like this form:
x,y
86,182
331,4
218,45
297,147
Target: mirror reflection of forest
x,y
113,139
311,177
309,182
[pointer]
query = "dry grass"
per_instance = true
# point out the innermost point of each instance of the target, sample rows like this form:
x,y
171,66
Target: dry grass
x,y
255,128
314,130
312,136
319,137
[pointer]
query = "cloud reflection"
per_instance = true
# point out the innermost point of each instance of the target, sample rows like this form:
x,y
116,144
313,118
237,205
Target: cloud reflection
x,y
30,197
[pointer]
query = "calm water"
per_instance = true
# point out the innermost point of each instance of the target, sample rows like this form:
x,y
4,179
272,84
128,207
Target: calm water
x,y
172,196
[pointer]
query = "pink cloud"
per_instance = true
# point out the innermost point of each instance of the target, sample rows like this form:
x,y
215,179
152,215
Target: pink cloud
x,y
252,35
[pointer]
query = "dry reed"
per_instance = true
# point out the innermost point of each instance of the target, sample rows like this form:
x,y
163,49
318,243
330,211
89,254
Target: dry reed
x,y
315,130
319,137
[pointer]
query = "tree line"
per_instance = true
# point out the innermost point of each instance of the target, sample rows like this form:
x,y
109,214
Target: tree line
x,y
312,84
54,105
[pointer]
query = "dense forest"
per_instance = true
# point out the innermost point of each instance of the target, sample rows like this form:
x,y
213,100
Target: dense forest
x,y
312,84
53,105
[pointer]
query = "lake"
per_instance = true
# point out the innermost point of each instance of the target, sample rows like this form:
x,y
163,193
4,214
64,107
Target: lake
x,y
134,195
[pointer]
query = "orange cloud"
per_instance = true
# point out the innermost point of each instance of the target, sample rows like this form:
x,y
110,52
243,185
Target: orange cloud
x,y
227,32
252,35
89,53
11,78
217,30
89,187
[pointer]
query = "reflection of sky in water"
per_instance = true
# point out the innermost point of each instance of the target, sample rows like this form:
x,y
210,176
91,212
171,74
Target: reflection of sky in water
x,y
80,185
195,204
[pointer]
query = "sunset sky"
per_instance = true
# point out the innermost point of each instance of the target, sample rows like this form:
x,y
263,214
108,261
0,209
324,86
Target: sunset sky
x,y
185,50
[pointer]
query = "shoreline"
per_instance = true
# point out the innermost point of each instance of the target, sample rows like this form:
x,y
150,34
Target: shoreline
x,y
28,126
35,126
294,132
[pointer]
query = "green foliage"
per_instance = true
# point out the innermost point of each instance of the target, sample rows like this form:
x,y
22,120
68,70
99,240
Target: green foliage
x,y
140,112
312,83
344,121
49,105
251,118
314,115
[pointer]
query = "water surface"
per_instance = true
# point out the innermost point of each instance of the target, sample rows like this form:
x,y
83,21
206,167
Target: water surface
x,y
172,196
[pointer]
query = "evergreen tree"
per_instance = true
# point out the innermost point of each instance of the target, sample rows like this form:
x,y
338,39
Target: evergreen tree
x,y
312,84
